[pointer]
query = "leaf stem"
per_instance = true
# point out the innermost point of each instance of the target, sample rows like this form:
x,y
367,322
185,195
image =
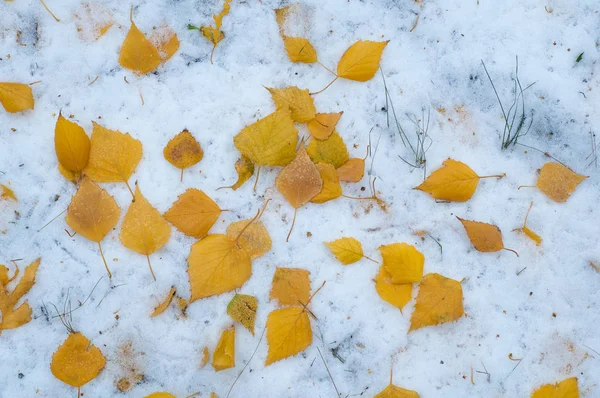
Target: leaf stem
x,y
526,186
247,363
315,293
181,177
257,174
50,222
150,266
511,250
130,191
51,13
326,87
211,55
370,259
104,259
327,69
292,228
498,176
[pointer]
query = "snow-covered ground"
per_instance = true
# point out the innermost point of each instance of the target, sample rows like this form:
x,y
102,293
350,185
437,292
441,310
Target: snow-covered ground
x,y
547,315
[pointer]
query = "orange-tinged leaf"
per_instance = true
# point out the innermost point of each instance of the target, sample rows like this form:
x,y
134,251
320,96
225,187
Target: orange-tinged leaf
x,y
144,229
164,304
395,294
113,155
532,235
403,262
204,359
352,171
291,286
567,388
331,184
3,276
346,250
323,124
440,300
299,102
300,180
288,333
558,182
160,394
454,181
77,361
361,60
255,239
16,97
485,237
183,150
271,141
71,144
93,212
392,391
194,213
332,150
8,193
299,49
12,317
217,265
138,54
242,308
224,356
166,42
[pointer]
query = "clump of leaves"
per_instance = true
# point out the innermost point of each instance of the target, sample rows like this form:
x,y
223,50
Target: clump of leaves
x,y
12,316
16,97
214,34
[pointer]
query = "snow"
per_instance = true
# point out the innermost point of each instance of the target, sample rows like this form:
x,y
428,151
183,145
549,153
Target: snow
x,y
436,66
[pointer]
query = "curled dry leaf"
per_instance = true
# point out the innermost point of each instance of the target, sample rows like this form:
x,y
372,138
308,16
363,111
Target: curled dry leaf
x,y
242,308
528,232
164,304
72,146
244,169
204,359
299,102
7,193
454,181
216,265
271,141
144,229
113,156
291,286
16,97
298,49
485,237
440,300
558,182
224,356
93,213
361,60
332,150
403,262
395,294
288,333
253,238
352,171
331,184
323,125
194,213
12,317
214,35
77,361
346,250
567,388
183,151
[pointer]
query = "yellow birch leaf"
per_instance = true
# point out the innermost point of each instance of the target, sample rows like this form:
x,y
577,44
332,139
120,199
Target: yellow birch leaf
x,y
291,286
255,239
395,294
332,150
138,54
300,180
271,141
485,237
346,250
323,124
352,171
299,102
213,395
288,333
166,42
361,60
164,304
183,151
244,169
392,391
160,394
331,184
194,213
242,308
454,181
8,193
69,175
567,388
12,317
77,361
299,49
71,144
217,265
403,262
113,155
224,356
93,213
144,229
204,359
16,97
558,182
440,300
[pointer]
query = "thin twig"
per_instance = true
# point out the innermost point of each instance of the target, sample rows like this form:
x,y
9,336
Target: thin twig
x,y
328,372
247,363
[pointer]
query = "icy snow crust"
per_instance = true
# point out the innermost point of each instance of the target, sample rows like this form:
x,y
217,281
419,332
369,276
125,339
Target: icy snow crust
x,y
437,66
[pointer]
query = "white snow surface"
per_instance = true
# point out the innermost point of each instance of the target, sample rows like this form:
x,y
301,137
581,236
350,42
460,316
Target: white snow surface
x,y
437,65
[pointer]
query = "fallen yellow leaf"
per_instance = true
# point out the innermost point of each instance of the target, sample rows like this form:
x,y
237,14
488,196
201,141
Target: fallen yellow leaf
x,y
162,306
332,150
254,237
77,361
567,388
558,182
12,317
346,250
16,97
242,308
352,171
291,286
395,294
299,102
224,356
138,54
214,35
288,333
72,145
323,124
485,237
403,262
440,300
183,151
331,184
361,60
194,213
8,193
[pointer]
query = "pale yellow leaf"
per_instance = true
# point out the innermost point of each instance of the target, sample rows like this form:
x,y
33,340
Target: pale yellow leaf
x,y
361,60
346,250
12,317
403,262
299,49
